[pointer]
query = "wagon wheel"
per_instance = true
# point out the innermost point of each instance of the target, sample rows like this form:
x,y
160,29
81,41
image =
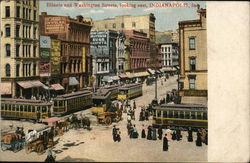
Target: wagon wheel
x,y
40,149
117,118
3,147
28,149
108,121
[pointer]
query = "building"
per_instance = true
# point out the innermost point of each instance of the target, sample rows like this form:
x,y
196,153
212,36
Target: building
x,y
193,56
139,50
120,53
19,42
170,36
143,23
107,50
170,54
73,37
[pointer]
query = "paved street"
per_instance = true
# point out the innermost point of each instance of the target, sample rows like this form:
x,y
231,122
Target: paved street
x,y
98,145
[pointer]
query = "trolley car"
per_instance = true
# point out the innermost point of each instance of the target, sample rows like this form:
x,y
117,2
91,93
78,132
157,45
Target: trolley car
x,y
130,91
72,102
101,101
180,115
114,89
25,109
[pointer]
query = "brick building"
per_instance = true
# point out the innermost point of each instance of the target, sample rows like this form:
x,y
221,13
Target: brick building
x,y
75,60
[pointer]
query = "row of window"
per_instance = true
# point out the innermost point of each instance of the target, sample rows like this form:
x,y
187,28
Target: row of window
x,y
122,25
26,13
182,115
24,108
27,2
26,31
26,70
73,101
26,50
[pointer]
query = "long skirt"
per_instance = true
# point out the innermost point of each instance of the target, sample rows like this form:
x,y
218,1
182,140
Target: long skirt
x,y
143,134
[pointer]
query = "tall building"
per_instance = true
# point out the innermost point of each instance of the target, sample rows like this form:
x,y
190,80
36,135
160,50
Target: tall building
x,y
170,54
144,23
19,42
193,56
73,35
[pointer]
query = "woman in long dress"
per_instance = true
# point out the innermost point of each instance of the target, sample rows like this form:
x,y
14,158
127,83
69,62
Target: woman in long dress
x,y
165,143
143,132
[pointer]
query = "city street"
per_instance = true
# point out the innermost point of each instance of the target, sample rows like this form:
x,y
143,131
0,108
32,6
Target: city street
x,y
98,144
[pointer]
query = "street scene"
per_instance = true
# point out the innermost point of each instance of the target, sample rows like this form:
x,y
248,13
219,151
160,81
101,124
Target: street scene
x,y
87,86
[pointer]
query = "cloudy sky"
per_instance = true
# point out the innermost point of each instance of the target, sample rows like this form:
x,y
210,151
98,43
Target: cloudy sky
x,y
166,17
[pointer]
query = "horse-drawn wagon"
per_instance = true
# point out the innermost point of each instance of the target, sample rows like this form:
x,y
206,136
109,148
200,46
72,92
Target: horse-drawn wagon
x,y
12,141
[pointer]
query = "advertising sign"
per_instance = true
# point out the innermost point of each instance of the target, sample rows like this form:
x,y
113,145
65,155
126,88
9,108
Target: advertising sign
x,y
83,59
45,42
55,25
55,56
98,38
44,53
45,68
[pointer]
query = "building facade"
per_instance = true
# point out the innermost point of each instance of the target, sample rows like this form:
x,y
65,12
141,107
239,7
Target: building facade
x,y
139,52
144,23
193,56
19,48
170,54
73,36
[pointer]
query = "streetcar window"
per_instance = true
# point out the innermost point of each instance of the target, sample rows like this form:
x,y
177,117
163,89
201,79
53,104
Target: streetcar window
x,y
204,116
158,113
2,107
171,115
38,109
33,108
29,108
187,116
165,114
60,103
13,107
181,115
25,108
9,107
198,115
192,115
17,107
21,108
176,114
43,109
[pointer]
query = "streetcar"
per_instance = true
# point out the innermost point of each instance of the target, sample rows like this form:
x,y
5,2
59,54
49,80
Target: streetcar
x,y
130,91
101,101
25,109
114,89
71,102
180,115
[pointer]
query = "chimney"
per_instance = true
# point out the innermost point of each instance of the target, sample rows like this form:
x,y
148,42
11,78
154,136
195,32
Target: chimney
x,y
79,18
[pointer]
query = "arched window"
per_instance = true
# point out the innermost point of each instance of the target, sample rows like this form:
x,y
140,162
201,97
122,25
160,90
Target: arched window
x,y
7,50
7,69
7,30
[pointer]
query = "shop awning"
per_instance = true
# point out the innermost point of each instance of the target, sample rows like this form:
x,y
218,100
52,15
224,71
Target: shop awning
x,y
107,79
167,69
57,87
51,121
30,84
151,71
141,74
115,78
130,75
73,81
123,76
5,88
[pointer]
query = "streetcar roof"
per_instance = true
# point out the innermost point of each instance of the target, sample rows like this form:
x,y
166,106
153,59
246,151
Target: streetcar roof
x,y
112,87
101,94
23,101
73,95
182,107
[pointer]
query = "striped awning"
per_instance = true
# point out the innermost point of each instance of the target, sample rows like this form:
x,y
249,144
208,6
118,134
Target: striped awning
x,y
30,84
141,74
130,75
5,88
123,76
73,81
115,78
57,87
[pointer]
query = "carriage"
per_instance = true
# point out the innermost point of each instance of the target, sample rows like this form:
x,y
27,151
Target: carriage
x,y
12,141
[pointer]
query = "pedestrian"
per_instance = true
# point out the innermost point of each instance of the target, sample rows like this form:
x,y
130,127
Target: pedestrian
x,y
149,135
174,135
134,105
118,135
154,137
190,135
129,118
50,157
178,134
135,133
198,140
206,139
141,116
165,143
143,132
114,133
146,115
133,115
160,132
128,127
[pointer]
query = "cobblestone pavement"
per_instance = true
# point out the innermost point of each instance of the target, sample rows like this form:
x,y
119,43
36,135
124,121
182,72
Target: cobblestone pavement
x,y
98,145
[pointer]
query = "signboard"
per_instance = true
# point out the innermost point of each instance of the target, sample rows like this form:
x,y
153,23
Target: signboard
x,y
45,42
83,59
44,53
55,56
45,69
99,38
55,25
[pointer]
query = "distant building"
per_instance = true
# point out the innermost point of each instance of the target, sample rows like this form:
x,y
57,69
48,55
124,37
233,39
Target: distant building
x,y
170,54
193,56
19,27
73,35
142,23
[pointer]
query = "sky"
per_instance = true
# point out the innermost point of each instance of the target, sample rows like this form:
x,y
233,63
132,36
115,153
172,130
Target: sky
x,y
166,17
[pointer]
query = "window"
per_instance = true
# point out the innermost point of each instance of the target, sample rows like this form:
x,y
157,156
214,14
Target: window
x,y
122,25
187,115
17,50
7,69
114,25
34,17
192,64
165,114
18,11
29,13
7,50
133,24
34,33
198,115
17,30
191,83
7,30
106,26
158,113
191,43
34,51
7,11
176,114
204,116
181,115
23,13
170,114
17,69
34,3
34,69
